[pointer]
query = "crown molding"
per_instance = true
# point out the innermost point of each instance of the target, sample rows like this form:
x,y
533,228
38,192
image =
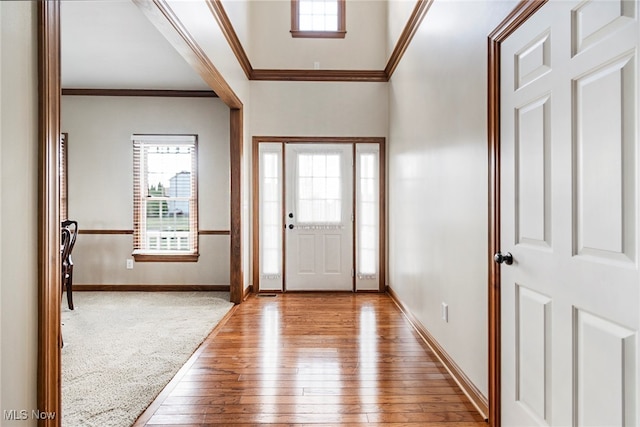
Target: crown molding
x,y
140,92
219,13
320,75
419,12
410,29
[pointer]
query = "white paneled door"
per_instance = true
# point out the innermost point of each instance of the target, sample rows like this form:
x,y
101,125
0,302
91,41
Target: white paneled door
x,y
569,216
319,217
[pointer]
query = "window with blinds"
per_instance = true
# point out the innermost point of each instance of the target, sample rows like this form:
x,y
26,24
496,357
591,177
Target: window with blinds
x,y
64,192
318,18
165,202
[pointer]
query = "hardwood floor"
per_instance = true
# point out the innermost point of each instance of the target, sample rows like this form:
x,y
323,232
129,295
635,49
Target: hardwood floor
x,y
313,359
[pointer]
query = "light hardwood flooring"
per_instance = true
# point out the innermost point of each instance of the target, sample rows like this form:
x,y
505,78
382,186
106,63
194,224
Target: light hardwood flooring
x,y
313,359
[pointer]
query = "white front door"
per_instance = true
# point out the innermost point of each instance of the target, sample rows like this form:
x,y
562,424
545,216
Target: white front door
x,y
569,217
319,217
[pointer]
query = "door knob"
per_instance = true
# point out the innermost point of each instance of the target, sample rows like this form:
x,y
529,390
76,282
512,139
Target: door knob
x,y
506,258
290,214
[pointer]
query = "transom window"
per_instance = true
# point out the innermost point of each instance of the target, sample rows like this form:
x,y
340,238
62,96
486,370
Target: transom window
x,y
165,221
318,18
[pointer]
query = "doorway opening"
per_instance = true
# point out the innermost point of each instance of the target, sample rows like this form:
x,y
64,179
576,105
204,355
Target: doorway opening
x,y
49,278
319,214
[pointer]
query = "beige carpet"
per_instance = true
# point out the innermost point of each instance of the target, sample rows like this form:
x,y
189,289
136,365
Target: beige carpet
x,y
122,348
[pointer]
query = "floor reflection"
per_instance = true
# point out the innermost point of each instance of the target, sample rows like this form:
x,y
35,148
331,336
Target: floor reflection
x,y
330,359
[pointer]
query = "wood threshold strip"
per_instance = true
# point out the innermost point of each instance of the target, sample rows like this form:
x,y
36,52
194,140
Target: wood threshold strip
x,y
148,288
472,392
110,231
166,391
513,21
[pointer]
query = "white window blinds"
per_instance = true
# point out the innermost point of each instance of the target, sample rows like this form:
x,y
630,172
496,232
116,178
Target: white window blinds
x,y
165,194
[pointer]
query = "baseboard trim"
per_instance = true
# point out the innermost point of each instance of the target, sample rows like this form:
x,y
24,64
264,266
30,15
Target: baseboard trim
x,y
247,291
149,288
473,393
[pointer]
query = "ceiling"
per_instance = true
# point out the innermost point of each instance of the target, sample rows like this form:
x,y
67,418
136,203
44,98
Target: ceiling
x,y
110,44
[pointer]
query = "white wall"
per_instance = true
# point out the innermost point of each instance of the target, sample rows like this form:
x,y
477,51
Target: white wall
x,y
438,178
1,157
363,47
100,182
318,109
238,13
398,13
18,211
199,21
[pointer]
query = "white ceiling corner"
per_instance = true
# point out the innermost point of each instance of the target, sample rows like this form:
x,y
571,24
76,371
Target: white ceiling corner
x,y
110,44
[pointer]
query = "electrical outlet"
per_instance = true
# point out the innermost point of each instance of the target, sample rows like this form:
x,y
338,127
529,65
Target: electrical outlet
x,y
445,312
129,264
316,65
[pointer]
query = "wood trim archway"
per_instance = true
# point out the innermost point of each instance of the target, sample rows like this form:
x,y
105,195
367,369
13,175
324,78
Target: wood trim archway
x,y
49,274
49,280
513,21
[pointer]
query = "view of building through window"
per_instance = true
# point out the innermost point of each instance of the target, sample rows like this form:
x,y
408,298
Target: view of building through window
x,y
165,193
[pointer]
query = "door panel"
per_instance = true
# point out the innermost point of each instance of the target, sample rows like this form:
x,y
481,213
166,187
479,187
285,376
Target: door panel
x,y
533,339
604,362
601,144
319,206
306,252
533,173
333,257
569,193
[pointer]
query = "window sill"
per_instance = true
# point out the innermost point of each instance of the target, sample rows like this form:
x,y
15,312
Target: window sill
x,y
318,34
168,257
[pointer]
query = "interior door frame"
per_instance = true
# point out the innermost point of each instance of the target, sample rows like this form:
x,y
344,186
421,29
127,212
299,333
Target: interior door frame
x,y
520,14
257,140
49,93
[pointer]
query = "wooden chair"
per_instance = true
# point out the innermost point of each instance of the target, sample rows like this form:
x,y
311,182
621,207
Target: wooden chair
x,y
65,245
69,234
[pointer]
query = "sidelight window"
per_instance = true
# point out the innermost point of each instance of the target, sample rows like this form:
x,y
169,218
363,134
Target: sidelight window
x,y
368,217
270,214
